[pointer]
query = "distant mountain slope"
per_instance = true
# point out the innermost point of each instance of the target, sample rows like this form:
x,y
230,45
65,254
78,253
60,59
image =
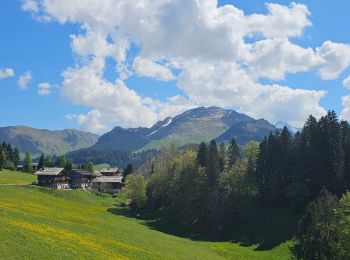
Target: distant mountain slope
x,y
37,141
244,132
190,127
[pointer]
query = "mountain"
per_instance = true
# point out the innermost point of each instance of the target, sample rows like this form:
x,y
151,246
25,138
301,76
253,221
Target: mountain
x,y
37,141
244,132
190,127
282,124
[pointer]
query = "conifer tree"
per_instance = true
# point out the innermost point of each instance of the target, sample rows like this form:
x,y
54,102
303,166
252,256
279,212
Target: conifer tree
x,y
48,161
2,159
16,157
90,167
222,156
9,152
41,161
233,153
202,155
213,167
27,166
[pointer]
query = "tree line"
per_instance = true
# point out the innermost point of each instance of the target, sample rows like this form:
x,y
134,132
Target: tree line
x,y
118,157
9,157
219,185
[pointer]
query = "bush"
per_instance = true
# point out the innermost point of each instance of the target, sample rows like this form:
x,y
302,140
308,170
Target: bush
x,y
135,189
317,236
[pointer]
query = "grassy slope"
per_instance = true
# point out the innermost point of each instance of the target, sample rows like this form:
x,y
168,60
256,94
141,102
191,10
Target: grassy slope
x,y
40,223
190,133
101,166
13,177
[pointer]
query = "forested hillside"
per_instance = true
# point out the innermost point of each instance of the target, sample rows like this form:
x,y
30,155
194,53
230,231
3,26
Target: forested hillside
x,y
216,186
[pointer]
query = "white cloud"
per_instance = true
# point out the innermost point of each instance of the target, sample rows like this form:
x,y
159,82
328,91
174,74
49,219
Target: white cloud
x,y
221,55
148,68
45,89
336,58
6,73
345,115
282,21
30,5
24,80
89,122
346,82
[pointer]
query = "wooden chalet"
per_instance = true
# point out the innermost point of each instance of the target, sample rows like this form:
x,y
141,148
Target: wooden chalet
x,y
110,171
82,178
107,184
55,178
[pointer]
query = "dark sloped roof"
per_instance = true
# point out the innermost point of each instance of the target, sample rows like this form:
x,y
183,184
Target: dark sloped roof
x,y
50,171
110,169
109,179
87,173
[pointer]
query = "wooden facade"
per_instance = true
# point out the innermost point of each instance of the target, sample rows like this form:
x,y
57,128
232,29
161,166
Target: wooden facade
x,y
59,178
55,178
107,184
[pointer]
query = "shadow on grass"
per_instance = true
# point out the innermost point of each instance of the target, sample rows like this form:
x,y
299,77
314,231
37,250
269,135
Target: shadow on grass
x,y
271,227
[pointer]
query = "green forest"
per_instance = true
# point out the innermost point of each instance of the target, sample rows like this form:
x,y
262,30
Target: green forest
x,y
216,187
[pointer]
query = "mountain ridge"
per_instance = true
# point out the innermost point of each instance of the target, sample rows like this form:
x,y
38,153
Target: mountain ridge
x,y
36,141
190,127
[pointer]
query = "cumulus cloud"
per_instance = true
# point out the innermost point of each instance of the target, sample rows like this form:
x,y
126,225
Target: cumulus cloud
x,y
346,82
6,73
89,122
148,68
24,80
345,115
220,53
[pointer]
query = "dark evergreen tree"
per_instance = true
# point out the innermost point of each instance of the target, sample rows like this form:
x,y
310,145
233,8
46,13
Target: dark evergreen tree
x,y
2,159
48,162
346,146
68,166
202,155
41,162
233,153
27,166
9,153
331,154
16,157
89,166
128,170
61,161
317,236
222,156
213,167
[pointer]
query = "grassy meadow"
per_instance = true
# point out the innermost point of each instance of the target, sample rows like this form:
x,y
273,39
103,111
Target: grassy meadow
x,y
14,177
39,223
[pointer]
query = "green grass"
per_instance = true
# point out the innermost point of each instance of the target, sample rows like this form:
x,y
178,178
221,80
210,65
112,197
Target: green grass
x,y
39,223
14,177
101,166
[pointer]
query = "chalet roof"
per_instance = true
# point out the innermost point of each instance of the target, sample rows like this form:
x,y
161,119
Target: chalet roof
x,y
110,169
108,179
87,173
49,171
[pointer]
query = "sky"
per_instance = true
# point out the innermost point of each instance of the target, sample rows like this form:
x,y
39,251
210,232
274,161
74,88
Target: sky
x,y
93,65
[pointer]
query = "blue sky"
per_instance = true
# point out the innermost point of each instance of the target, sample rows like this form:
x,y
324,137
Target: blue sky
x,y
44,48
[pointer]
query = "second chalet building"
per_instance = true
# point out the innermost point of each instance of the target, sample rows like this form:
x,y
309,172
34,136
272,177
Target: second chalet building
x,y
60,178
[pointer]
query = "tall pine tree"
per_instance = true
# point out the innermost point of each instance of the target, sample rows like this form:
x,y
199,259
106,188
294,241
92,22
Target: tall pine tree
x,y
233,153
213,167
202,155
